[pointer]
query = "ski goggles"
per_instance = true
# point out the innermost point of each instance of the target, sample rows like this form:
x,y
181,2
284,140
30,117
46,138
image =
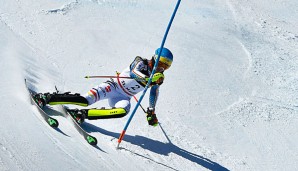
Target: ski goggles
x,y
162,66
164,60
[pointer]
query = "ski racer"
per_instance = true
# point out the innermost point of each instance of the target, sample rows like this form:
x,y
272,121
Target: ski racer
x,y
118,91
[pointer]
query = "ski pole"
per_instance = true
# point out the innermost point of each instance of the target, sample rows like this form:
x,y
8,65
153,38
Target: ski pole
x,y
105,76
150,79
158,122
140,103
110,76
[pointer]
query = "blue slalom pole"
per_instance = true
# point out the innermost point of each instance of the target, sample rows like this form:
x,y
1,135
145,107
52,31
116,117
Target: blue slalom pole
x,y
150,79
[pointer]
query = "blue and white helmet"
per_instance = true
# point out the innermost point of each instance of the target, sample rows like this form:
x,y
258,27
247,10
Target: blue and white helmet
x,y
166,56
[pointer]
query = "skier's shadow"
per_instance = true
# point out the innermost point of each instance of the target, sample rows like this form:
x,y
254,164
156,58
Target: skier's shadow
x,y
160,148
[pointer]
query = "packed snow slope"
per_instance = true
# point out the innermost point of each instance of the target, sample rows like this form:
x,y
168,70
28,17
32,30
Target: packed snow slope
x,y
229,101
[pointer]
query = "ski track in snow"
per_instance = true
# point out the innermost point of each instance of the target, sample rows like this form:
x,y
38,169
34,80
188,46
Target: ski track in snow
x,y
65,8
248,54
59,145
8,155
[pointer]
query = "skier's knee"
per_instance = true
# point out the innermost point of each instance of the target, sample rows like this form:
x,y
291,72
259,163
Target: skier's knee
x,y
123,104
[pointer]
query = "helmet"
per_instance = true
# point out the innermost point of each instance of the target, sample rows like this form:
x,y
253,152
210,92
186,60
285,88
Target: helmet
x,y
166,56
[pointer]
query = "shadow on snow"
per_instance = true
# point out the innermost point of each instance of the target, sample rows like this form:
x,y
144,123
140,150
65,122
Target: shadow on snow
x,y
159,148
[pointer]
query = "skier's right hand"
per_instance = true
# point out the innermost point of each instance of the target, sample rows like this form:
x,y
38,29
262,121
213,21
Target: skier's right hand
x,y
151,117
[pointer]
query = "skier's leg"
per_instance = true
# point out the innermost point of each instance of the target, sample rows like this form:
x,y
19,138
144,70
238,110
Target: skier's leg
x,y
95,94
55,98
101,92
105,113
120,103
67,98
106,90
120,106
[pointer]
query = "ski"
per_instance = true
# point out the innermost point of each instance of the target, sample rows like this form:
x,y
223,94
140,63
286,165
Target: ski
x,y
54,123
89,138
51,121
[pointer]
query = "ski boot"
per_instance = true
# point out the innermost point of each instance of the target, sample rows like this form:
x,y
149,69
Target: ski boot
x,y
42,99
78,115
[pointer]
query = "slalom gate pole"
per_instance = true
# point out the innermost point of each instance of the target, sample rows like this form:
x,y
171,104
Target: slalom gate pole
x,y
150,79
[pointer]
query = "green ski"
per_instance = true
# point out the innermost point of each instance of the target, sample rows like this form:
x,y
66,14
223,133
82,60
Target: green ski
x,y
51,121
89,138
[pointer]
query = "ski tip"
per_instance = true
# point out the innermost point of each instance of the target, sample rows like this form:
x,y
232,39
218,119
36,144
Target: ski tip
x,y
53,122
55,125
91,140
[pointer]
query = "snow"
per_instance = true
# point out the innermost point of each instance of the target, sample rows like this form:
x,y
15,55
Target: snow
x,y
229,101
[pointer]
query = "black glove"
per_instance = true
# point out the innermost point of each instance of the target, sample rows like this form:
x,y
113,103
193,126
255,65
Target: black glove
x,y
151,117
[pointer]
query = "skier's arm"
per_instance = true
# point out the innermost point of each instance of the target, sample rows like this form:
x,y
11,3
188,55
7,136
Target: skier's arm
x,y
136,69
154,92
151,116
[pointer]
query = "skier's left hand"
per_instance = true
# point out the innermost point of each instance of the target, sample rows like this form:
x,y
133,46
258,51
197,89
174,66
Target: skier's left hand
x,y
151,117
157,79
160,80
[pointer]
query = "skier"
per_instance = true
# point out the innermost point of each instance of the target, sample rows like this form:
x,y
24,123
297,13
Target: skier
x,y
117,91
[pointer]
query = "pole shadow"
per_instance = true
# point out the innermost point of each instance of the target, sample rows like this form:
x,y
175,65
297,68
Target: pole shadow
x,y
160,148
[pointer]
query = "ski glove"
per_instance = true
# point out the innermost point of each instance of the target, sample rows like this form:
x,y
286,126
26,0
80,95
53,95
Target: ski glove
x,y
151,117
157,78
